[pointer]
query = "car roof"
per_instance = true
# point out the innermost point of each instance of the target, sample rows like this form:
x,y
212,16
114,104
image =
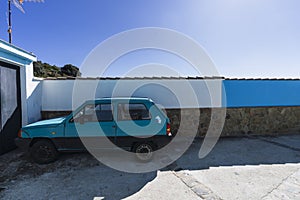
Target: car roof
x,y
121,99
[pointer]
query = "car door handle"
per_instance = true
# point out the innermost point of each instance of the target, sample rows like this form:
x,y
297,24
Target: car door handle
x,y
114,126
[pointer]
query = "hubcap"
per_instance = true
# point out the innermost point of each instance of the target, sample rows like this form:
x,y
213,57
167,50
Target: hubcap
x,y
44,152
144,152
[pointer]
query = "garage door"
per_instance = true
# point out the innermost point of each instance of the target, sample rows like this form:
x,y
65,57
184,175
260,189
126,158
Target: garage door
x,y
10,110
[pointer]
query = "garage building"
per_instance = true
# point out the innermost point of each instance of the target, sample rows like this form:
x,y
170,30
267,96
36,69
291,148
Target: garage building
x,y
13,111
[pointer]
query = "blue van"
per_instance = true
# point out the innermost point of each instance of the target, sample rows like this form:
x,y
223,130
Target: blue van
x,y
134,124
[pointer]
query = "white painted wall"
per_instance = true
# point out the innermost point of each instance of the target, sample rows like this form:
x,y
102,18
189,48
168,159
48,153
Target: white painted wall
x,y
23,95
31,91
33,95
60,95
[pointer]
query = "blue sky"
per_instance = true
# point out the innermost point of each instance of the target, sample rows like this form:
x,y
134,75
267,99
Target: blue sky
x,y
244,38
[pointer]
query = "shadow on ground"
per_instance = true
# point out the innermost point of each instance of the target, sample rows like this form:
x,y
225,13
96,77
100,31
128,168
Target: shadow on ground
x,y
80,176
73,176
243,151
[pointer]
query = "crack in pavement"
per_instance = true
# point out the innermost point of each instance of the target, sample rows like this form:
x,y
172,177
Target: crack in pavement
x,y
281,182
193,184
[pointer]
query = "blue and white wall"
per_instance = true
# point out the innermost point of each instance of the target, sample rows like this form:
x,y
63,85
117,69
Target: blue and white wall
x,y
58,95
259,107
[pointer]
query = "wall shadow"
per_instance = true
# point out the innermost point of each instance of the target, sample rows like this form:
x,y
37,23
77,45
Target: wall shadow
x,y
34,104
242,151
10,132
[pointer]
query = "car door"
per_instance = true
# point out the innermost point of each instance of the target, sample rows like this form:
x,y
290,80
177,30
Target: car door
x,y
133,122
91,126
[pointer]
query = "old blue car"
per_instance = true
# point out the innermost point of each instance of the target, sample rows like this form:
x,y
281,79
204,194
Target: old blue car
x,y
134,124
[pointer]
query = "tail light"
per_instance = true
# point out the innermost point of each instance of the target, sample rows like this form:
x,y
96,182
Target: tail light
x,y
169,130
20,133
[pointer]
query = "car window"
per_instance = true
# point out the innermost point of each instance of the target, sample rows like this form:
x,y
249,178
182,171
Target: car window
x,y
95,113
104,112
89,110
78,116
137,111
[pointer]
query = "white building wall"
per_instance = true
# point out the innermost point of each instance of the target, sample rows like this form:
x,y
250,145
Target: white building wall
x,y
60,95
23,95
33,95
57,95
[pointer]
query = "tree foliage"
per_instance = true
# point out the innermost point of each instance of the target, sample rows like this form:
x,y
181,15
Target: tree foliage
x,y
44,70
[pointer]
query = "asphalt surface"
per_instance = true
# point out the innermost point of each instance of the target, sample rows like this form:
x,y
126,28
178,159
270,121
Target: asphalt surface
x,y
237,168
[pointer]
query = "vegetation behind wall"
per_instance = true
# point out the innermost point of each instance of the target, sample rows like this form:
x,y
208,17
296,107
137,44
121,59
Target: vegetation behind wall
x,y
44,70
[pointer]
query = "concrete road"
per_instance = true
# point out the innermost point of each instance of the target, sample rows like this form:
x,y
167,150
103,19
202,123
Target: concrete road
x,y
237,168
252,168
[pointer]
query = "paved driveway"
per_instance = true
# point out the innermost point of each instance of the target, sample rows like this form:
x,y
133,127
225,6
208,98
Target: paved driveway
x,y
237,168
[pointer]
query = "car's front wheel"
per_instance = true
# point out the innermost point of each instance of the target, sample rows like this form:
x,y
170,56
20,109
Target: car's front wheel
x,y
43,152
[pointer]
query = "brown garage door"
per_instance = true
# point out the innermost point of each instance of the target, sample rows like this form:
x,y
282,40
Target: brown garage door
x,y
10,110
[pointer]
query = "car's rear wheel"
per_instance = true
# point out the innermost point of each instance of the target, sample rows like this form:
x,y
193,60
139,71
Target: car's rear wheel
x,y
43,152
144,151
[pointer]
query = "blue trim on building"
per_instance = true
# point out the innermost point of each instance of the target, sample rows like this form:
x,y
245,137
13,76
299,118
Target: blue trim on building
x,y
9,52
15,47
12,57
255,93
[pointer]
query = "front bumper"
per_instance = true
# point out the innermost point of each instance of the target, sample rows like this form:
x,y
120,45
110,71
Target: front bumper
x,y
22,143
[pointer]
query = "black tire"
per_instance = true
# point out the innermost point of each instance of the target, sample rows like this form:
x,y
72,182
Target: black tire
x,y
143,151
43,152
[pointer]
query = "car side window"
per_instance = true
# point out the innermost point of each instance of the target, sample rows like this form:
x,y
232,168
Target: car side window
x,y
104,112
78,116
95,113
136,111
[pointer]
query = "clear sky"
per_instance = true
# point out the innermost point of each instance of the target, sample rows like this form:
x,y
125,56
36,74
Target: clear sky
x,y
245,38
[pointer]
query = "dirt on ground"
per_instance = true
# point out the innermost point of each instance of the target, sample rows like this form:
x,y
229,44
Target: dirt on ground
x,y
18,165
72,176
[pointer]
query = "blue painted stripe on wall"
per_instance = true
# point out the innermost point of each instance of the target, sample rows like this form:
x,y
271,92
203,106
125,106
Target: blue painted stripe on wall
x,y
252,93
12,57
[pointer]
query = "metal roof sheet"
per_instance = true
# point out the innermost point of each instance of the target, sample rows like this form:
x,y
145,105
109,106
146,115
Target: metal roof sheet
x,y
165,78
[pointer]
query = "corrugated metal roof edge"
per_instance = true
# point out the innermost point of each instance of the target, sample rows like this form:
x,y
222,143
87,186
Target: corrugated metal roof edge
x,y
131,78
164,78
264,79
